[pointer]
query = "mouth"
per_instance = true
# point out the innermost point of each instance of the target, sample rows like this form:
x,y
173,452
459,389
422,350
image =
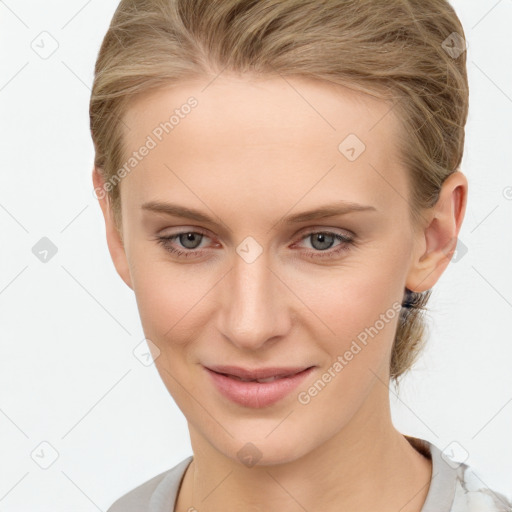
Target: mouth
x,y
257,388
261,375
269,379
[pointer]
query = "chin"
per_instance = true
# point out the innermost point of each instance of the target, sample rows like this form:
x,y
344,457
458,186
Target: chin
x,y
261,449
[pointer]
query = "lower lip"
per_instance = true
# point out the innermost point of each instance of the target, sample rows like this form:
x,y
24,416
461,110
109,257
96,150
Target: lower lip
x,y
257,394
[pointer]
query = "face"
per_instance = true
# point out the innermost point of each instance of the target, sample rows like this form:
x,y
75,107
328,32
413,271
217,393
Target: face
x,y
249,280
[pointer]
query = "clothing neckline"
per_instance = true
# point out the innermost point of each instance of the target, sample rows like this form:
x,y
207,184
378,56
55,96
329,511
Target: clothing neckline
x,y
440,496
441,492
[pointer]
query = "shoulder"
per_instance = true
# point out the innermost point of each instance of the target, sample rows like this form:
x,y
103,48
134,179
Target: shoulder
x,y
455,486
156,494
471,495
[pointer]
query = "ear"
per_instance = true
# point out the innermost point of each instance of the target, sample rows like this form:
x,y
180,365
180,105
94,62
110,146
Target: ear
x,y
114,237
436,243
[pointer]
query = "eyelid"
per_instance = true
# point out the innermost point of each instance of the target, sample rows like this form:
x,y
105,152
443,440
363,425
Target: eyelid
x,y
322,229
346,241
183,231
343,239
304,233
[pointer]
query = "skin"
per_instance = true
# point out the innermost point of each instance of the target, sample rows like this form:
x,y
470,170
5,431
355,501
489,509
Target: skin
x,y
252,152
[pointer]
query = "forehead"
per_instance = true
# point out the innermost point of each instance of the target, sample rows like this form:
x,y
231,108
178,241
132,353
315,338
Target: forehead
x,y
263,134
255,105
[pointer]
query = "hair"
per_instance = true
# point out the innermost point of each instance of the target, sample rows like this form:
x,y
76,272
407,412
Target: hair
x,y
394,50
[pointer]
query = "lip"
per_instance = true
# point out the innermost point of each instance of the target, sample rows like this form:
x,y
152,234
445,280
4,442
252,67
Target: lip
x,y
257,373
256,394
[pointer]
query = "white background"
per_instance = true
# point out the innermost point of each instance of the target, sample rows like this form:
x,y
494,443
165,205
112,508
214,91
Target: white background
x,y
68,376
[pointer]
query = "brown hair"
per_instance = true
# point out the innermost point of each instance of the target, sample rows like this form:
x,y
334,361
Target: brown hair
x,y
401,51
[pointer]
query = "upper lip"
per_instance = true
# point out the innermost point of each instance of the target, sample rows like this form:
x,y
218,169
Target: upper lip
x,y
257,373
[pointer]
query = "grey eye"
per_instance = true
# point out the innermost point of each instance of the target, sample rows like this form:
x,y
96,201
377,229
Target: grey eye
x,y
322,241
190,240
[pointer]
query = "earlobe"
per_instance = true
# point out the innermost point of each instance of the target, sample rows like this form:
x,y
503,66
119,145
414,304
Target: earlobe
x,y
114,241
438,241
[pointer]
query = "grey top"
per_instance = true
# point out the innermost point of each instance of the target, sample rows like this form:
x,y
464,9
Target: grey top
x,y
453,488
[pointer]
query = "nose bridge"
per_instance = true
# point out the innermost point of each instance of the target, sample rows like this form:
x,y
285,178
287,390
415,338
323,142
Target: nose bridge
x,y
253,309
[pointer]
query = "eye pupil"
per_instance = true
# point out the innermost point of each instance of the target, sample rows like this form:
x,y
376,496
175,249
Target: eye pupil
x,y
188,240
325,240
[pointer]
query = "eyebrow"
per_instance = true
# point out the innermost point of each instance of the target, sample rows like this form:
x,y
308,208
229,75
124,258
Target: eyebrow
x,y
324,211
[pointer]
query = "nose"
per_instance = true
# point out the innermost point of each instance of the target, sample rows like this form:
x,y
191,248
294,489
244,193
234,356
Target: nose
x,y
255,307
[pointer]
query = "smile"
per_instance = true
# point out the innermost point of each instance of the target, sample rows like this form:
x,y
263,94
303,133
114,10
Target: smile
x,y
258,392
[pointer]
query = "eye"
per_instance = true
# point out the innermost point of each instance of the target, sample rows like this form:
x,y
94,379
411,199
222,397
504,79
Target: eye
x,y
189,240
321,241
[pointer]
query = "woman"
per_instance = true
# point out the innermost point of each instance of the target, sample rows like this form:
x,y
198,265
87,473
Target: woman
x,y
280,186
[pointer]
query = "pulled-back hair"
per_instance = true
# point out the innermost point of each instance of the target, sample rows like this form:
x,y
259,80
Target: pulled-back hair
x,y
406,52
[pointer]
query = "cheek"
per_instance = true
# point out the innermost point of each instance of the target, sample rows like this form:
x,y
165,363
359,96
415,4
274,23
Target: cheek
x,y
356,312
172,299
350,299
164,300
362,317
339,304
169,303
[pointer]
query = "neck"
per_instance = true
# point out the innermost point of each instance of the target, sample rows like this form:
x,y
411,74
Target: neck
x,y
367,465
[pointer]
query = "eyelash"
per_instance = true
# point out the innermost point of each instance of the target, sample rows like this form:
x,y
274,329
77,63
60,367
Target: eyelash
x,y
344,246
